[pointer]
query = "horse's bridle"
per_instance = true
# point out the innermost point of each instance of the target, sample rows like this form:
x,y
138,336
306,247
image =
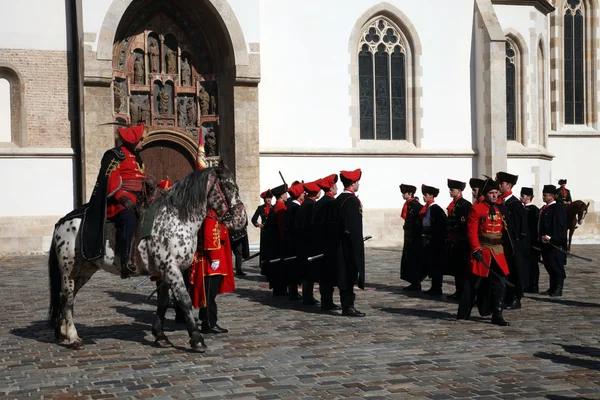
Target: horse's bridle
x,y
226,215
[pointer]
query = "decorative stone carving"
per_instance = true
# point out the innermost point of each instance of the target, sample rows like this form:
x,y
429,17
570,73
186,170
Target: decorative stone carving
x,y
145,112
171,62
192,115
186,73
122,54
204,98
182,112
134,110
154,53
119,96
210,143
138,70
164,99
213,105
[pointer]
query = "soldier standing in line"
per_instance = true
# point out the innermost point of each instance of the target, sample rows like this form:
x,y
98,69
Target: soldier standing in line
x,y
553,235
273,241
263,212
410,264
291,241
475,184
531,272
458,247
435,233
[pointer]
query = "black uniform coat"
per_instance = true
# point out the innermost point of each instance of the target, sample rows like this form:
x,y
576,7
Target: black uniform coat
x,y
434,242
291,243
304,245
553,222
531,267
410,265
345,246
272,248
517,229
560,199
261,212
458,246
327,271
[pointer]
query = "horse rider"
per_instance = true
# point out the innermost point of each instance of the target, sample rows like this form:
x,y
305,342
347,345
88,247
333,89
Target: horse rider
x,y
563,195
119,192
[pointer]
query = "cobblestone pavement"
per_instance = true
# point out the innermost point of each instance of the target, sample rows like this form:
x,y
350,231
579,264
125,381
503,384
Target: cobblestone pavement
x,y
406,347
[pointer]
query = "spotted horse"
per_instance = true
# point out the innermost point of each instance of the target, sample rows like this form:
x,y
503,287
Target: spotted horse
x,y
167,251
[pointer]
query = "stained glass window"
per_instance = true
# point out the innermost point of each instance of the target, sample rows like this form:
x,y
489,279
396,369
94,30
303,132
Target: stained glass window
x,y
511,93
574,63
382,83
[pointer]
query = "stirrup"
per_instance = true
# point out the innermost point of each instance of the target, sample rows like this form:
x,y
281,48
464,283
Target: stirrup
x,y
127,269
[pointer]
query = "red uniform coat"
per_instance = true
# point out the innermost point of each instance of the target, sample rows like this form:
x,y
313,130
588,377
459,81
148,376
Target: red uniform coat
x,y
213,245
480,223
124,179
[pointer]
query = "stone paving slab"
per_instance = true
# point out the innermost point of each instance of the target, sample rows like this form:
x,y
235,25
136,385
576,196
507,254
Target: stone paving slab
x,y
408,346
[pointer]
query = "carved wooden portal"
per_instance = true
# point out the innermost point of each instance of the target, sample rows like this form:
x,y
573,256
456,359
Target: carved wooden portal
x,y
165,75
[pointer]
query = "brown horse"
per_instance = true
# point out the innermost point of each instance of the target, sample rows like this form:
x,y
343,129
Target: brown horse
x,y
576,212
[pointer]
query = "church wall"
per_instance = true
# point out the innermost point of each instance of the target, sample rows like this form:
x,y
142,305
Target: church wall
x,y
304,91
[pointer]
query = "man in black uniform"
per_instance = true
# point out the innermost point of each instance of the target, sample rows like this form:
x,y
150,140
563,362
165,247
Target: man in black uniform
x,y
346,249
553,234
458,246
304,245
563,195
263,212
410,265
273,243
435,233
531,270
327,271
291,240
517,230
475,184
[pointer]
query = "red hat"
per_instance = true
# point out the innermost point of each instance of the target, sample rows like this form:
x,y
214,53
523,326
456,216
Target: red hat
x,y
327,182
164,185
132,134
312,188
349,177
296,190
266,194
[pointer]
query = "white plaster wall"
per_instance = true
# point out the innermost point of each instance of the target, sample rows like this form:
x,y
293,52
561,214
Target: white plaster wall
x,y
33,24
246,11
381,177
304,89
532,173
42,187
5,119
576,160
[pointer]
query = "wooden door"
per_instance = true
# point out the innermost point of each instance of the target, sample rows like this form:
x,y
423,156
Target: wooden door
x,y
165,159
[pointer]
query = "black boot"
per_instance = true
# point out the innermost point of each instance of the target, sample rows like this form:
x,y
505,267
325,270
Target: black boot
x,y
497,319
348,309
558,288
412,287
513,304
239,272
552,286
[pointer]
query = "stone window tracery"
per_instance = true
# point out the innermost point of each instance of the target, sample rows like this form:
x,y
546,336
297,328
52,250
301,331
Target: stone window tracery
x,y
511,92
574,66
382,82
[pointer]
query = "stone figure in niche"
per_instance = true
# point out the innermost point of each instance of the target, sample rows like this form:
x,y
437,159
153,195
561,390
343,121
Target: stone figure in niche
x,y
119,95
191,113
123,53
134,110
213,105
154,54
204,101
171,62
164,98
210,143
145,112
182,112
138,70
186,73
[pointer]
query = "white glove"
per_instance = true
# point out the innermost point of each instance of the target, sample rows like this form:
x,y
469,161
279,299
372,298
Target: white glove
x,y
214,265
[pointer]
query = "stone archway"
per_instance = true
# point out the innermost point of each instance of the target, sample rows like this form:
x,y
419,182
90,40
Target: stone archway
x,y
237,75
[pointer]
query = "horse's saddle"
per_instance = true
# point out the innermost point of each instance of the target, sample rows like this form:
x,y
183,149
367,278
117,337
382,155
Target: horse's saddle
x,y
143,229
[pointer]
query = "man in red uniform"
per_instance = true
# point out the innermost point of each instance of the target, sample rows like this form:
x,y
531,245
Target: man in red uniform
x,y
212,272
485,232
120,189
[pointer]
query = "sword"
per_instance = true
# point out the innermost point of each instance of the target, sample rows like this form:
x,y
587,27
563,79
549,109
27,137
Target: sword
x,y
142,282
251,257
502,278
309,259
565,252
279,260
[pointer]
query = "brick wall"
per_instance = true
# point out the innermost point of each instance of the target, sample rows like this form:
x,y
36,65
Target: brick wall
x,y
48,105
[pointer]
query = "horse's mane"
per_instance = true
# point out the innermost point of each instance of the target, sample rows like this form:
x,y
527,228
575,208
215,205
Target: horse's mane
x,y
188,196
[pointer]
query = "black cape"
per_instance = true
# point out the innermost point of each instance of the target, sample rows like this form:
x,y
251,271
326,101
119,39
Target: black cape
x,y
458,246
410,264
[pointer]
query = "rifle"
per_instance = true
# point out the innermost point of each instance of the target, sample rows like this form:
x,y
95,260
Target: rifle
x,y
565,252
282,178
309,259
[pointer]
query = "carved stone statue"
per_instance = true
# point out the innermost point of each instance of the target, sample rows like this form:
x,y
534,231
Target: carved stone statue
x,y
213,105
204,101
138,70
134,111
186,73
182,112
192,117
145,111
171,62
154,55
119,95
210,143
164,98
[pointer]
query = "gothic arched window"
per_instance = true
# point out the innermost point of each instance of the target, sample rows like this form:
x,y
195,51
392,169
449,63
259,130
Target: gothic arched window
x,y
574,34
511,92
382,82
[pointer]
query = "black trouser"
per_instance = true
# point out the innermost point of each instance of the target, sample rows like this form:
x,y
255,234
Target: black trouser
x,y
326,291
208,314
238,249
534,269
125,223
473,283
554,263
307,290
347,297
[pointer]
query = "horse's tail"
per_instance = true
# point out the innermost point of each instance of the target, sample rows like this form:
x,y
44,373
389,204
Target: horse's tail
x,y
55,312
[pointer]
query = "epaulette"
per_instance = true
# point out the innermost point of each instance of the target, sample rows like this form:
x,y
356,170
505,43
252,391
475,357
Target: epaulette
x,y
119,153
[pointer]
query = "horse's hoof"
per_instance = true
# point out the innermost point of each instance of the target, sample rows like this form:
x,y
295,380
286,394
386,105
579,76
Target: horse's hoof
x,y
76,345
199,347
162,342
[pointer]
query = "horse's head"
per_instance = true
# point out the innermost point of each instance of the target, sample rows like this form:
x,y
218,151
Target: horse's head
x,y
581,213
225,199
